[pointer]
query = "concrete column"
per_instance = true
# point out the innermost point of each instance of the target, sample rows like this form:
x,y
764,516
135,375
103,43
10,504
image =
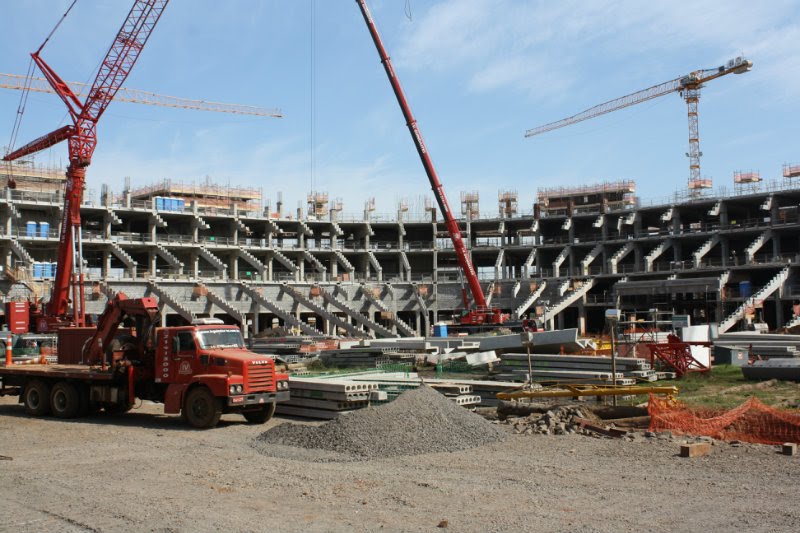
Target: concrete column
x,y
195,262
153,262
723,214
106,263
725,250
581,317
676,220
233,267
268,270
779,320
776,244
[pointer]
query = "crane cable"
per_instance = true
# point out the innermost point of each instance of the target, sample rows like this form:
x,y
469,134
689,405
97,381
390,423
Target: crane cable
x,y
23,99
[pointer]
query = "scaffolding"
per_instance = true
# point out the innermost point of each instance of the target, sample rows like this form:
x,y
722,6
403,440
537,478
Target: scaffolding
x,y
33,178
594,198
317,203
507,203
791,171
206,194
743,181
470,204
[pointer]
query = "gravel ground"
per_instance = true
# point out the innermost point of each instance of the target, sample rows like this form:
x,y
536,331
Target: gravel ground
x,y
145,472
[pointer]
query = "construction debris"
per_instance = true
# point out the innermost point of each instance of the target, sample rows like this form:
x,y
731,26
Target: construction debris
x,y
418,421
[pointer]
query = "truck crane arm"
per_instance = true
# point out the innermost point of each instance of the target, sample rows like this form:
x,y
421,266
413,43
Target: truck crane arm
x,y
117,309
481,313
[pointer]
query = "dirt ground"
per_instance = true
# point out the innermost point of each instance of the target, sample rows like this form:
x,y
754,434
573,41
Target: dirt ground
x,y
148,472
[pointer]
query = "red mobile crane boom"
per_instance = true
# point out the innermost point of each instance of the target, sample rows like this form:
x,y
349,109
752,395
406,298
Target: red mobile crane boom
x,y
82,137
480,313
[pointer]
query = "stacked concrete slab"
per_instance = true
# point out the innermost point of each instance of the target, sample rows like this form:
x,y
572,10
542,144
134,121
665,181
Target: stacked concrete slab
x,y
575,368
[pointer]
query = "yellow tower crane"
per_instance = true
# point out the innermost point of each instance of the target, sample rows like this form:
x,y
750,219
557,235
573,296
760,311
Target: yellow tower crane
x,y
687,86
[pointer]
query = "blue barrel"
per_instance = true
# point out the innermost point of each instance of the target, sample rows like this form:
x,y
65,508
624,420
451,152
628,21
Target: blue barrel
x,y
44,229
30,229
745,289
440,330
38,270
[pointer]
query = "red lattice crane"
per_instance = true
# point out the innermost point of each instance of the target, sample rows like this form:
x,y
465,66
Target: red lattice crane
x,y
687,86
82,139
481,313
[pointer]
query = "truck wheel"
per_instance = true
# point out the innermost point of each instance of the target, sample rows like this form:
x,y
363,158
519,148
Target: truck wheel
x,y
37,398
261,415
65,402
201,408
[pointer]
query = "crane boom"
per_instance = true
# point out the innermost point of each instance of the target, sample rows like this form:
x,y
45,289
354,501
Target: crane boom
x,y
82,139
462,255
691,81
136,96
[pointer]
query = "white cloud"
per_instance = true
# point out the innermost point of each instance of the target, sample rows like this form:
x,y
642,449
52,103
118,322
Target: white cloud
x,y
543,48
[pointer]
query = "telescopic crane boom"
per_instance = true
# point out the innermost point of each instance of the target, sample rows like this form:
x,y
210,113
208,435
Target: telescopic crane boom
x,y
82,137
687,86
481,313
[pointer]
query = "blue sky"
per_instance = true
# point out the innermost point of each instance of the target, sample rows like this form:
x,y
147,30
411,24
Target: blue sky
x,y
477,73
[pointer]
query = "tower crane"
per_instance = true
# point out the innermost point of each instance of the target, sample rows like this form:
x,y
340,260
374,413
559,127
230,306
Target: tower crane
x,y
687,86
82,140
136,96
481,313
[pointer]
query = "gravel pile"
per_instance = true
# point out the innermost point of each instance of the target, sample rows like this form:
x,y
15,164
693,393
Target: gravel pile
x,y
418,421
557,421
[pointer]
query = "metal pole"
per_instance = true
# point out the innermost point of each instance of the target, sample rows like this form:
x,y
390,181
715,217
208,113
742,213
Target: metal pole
x,y
613,329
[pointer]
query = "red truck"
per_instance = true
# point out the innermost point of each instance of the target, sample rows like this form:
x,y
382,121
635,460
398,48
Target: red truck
x,y
201,370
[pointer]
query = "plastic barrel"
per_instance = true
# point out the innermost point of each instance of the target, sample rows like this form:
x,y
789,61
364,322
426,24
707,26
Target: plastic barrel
x,y
30,228
745,289
44,229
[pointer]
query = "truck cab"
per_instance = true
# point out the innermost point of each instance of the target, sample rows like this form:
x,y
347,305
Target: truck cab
x,y
208,371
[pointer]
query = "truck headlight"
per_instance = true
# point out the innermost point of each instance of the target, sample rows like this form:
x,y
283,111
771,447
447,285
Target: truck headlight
x,y
283,385
232,389
239,389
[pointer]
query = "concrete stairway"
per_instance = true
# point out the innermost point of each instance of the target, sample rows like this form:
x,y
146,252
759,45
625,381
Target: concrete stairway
x,y
317,264
284,260
406,265
288,318
618,256
160,222
590,257
774,284
715,210
655,253
569,298
212,259
529,300
169,257
115,220
567,224
666,216
528,264
767,205
251,260
372,327
165,298
223,304
599,222
559,260
123,256
314,307
498,263
342,260
756,245
704,249
515,289
21,252
401,326
723,279
375,265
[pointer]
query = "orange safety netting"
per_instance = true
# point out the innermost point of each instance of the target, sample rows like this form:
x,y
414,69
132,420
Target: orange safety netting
x,y
752,421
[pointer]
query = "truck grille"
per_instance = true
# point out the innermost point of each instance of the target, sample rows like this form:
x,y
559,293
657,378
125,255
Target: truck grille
x,y
260,378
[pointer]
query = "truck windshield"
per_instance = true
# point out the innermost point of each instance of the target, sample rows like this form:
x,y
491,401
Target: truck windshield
x,y
220,338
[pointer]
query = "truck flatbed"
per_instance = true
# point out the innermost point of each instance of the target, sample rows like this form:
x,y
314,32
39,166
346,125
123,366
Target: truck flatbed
x,y
82,372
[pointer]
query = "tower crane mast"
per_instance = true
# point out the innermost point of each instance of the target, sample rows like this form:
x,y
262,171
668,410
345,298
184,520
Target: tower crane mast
x,y
687,86
481,313
82,139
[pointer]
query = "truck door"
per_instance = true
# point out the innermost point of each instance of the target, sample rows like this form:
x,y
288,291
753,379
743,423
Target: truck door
x,y
184,355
